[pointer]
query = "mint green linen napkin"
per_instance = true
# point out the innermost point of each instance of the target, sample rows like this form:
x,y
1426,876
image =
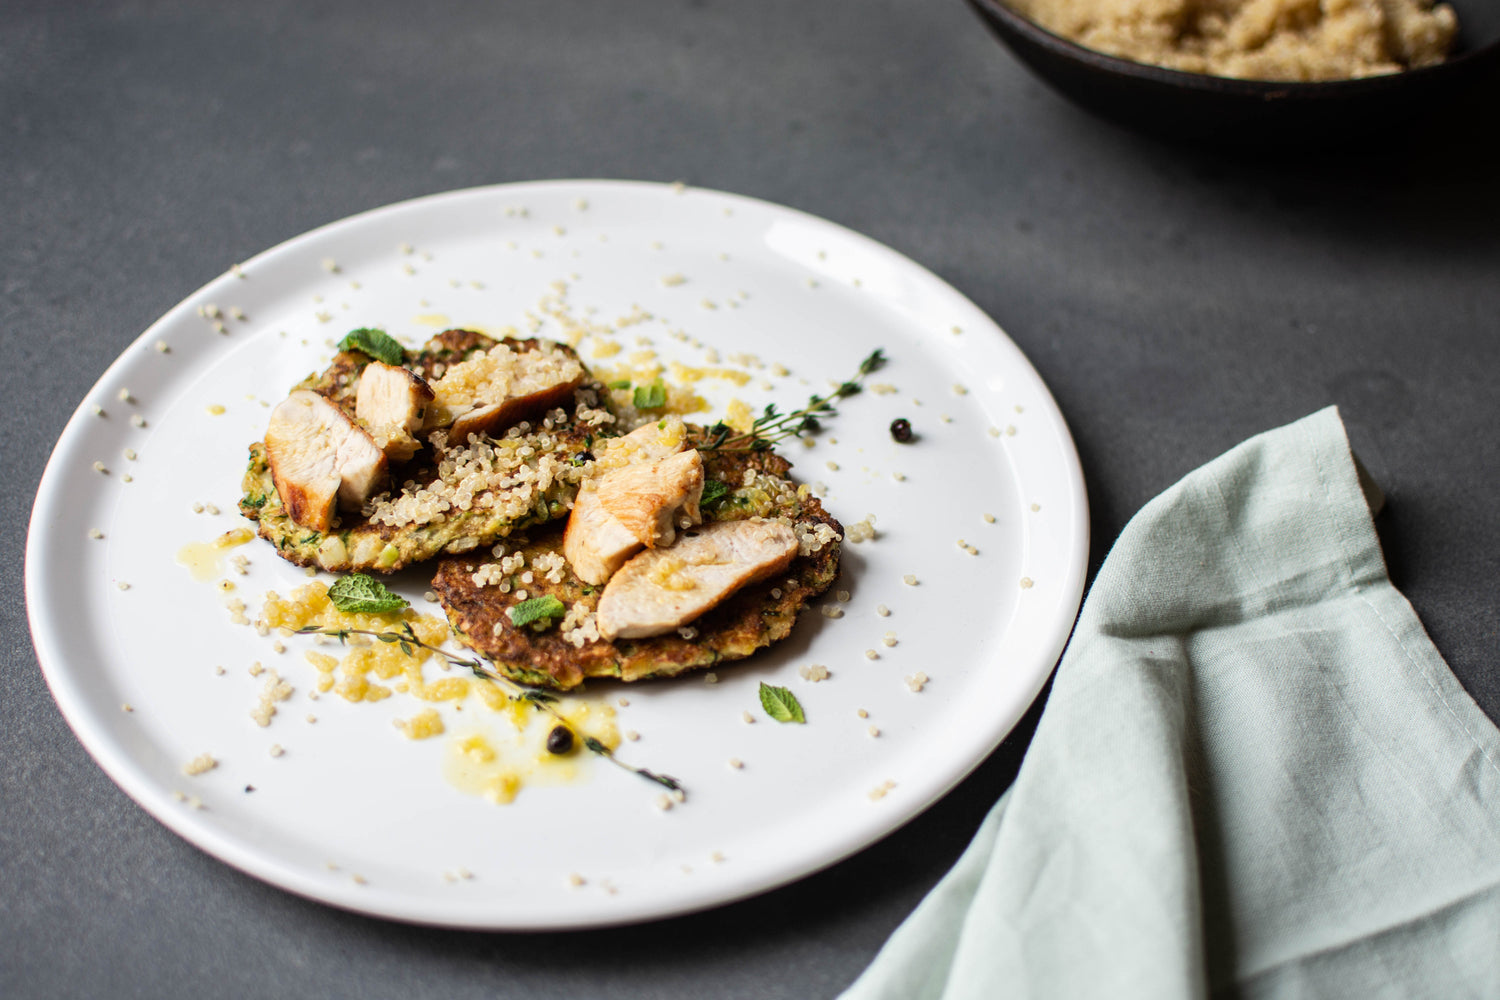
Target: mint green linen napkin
x,y
1255,776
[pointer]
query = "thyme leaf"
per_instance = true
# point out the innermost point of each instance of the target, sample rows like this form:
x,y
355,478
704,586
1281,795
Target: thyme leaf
x,y
773,425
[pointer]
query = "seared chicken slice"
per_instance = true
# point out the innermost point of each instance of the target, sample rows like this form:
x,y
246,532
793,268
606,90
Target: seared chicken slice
x,y
595,542
648,499
501,387
663,589
320,458
392,402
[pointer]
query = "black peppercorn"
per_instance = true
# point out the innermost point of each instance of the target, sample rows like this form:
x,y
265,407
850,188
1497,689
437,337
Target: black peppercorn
x,y
560,740
901,429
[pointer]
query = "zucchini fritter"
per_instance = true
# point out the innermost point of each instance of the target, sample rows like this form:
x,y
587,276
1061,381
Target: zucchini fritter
x,y
561,657
445,500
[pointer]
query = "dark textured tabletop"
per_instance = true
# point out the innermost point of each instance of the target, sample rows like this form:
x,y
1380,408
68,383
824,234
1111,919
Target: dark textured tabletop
x,y
1176,300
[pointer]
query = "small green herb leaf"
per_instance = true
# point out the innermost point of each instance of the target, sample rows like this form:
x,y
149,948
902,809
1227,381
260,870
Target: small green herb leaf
x,y
650,397
536,697
362,594
376,343
780,704
714,492
623,383
538,609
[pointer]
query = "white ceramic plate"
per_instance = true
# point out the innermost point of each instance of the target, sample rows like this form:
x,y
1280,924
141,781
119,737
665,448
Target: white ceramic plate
x,y
353,813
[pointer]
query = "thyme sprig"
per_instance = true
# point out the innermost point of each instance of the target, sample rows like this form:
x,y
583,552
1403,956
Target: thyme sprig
x,y
544,701
773,425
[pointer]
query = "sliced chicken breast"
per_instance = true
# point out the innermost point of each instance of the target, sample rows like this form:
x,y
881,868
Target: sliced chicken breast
x,y
594,542
319,458
663,589
650,499
392,403
501,387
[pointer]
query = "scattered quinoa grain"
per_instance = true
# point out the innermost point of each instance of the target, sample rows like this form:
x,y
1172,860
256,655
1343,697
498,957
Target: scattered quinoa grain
x,y
277,750
736,763
959,389
98,410
124,396
575,880
882,611
747,717
989,518
161,347
917,681
873,730
910,579
880,791
710,678
861,713
95,533
123,585
632,735
100,468
127,478
813,672
870,654
1035,507
1026,583
201,764
137,420
127,707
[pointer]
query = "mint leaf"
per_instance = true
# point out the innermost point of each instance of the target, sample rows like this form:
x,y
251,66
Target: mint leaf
x,y
358,593
376,343
714,492
780,704
538,609
650,397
